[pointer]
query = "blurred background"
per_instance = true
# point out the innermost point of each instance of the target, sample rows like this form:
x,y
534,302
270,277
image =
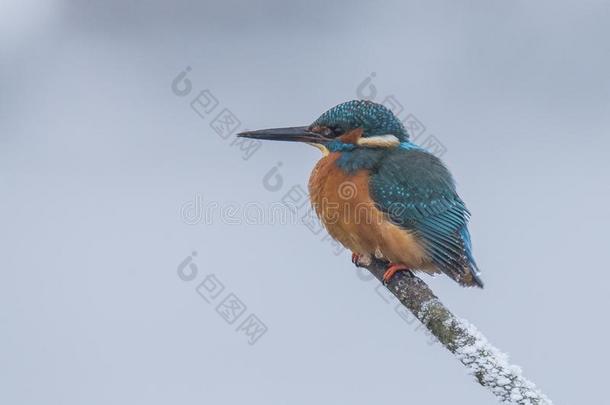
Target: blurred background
x,y
135,266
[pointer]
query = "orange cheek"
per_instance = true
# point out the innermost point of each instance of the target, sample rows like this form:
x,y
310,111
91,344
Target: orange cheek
x,y
351,136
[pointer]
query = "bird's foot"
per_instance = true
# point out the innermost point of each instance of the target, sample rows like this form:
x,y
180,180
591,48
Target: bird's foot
x,y
361,260
392,269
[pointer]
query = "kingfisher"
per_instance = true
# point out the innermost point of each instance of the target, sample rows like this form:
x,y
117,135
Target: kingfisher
x,y
383,197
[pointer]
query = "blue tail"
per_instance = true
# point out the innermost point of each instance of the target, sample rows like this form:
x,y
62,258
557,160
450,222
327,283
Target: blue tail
x,y
473,268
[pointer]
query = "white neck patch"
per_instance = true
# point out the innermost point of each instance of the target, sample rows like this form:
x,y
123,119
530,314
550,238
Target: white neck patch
x,y
379,141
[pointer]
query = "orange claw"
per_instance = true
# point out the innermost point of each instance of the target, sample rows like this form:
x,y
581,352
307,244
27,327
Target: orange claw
x,y
355,258
392,269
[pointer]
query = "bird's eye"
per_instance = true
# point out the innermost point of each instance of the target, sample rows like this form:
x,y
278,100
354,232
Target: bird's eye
x,y
338,131
327,132
333,132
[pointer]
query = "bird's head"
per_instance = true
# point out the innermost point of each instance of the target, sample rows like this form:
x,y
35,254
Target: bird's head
x,y
347,126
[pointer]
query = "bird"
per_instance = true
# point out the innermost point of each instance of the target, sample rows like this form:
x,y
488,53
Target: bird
x,y
382,196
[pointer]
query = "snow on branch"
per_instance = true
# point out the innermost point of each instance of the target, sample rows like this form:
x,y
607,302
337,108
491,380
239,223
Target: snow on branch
x,y
486,363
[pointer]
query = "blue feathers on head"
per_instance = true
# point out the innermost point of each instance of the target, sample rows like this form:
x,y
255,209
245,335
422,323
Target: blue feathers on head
x,y
375,119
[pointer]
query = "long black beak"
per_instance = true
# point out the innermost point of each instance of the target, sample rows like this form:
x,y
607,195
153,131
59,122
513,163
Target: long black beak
x,y
292,134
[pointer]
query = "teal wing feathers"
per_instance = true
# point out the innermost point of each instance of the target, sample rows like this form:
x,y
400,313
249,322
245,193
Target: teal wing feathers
x,y
418,193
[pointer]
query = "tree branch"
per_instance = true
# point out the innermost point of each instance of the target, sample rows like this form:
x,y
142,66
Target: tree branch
x,y
489,366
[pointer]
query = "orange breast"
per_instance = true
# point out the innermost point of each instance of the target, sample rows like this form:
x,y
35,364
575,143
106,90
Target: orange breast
x,y
345,207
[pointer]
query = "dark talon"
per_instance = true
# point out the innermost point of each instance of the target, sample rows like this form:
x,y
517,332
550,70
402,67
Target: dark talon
x,y
356,259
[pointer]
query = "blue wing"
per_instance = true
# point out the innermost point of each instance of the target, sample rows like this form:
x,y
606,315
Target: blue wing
x,y
417,192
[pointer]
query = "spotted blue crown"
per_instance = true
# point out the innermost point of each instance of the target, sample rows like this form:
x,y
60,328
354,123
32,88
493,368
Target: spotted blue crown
x,y
375,119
